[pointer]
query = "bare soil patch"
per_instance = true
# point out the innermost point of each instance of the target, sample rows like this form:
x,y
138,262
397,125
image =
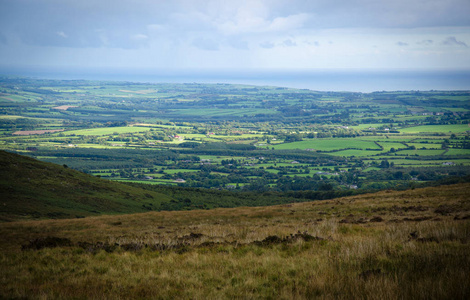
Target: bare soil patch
x,y
64,107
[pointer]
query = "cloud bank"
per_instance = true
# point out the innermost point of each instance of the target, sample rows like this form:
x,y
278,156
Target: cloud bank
x,y
236,34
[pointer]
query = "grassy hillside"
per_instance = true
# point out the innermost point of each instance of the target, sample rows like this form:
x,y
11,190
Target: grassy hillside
x,y
391,245
35,189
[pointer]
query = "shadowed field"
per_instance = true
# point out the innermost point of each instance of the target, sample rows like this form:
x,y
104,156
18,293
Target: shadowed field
x,y
412,244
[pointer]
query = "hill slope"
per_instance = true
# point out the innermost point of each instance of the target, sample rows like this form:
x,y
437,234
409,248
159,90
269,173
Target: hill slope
x,y
390,245
33,189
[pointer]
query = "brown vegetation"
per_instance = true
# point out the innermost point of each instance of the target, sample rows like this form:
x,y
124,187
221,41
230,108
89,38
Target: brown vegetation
x,y
412,245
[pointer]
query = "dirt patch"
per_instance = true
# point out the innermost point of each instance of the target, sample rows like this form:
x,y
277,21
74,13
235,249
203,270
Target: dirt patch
x,y
7,98
47,242
353,221
191,237
465,217
417,219
274,239
180,245
376,219
64,107
412,208
446,209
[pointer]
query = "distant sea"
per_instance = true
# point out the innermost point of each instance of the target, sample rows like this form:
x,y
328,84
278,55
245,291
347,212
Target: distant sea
x,y
321,80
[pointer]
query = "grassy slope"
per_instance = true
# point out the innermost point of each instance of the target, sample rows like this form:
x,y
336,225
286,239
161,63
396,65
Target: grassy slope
x,y
35,189
391,245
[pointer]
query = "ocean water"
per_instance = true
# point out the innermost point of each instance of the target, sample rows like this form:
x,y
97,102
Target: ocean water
x,y
321,80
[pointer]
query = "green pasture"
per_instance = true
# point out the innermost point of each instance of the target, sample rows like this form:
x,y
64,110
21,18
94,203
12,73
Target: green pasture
x,y
12,117
431,152
366,126
389,145
13,98
451,97
388,138
377,138
455,109
458,152
328,144
198,136
425,145
429,140
457,128
108,130
354,152
96,146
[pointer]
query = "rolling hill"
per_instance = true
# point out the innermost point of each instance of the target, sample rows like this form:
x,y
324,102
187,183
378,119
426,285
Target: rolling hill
x,y
32,189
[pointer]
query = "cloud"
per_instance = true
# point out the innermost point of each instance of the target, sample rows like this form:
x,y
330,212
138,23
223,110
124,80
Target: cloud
x,y
250,23
172,33
62,34
425,42
310,43
267,45
383,14
289,43
238,44
205,44
139,37
452,41
288,23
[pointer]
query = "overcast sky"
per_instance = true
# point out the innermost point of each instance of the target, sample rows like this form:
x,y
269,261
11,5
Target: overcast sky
x,y
270,34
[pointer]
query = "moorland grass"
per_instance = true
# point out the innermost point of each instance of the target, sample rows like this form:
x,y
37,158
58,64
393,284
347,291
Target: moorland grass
x,y
391,245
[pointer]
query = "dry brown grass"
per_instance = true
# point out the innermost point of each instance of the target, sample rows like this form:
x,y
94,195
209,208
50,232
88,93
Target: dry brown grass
x,y
412,244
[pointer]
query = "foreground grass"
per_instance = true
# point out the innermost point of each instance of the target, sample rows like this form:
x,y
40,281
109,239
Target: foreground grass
x,y
412,244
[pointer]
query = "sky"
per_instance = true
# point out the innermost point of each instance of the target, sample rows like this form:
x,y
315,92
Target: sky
x,y
224,35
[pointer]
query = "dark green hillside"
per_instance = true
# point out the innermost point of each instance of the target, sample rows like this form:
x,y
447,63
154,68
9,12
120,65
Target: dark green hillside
x,y
33,189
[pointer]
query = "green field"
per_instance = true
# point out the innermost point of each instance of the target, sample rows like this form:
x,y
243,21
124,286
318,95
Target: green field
x,y
437,128
136,129
108,131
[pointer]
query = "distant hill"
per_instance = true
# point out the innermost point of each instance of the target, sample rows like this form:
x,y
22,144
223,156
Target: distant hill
x,y
31,189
